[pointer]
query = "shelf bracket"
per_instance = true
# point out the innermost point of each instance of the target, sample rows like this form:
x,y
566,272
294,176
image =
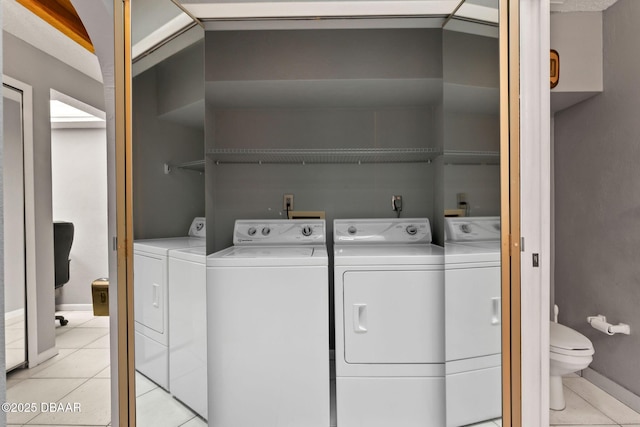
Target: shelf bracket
x,y
167,168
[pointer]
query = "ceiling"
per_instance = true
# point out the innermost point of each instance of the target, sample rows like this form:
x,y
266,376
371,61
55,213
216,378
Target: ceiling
x,y
23,24
580,5
156,20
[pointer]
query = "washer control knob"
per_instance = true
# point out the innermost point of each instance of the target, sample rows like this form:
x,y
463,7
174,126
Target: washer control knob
x,y
352,230
251,231
307,230
266,231
466,228
412,230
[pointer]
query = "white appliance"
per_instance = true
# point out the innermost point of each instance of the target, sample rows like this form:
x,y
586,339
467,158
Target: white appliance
x,y
268,326
389,308
473,319
188,327
151,298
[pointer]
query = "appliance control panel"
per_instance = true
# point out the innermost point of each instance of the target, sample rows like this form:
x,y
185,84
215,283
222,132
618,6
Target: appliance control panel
x,y
382,231
279,232
198,227
471,229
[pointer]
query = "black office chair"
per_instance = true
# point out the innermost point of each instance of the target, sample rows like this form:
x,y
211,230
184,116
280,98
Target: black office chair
x,y
62,240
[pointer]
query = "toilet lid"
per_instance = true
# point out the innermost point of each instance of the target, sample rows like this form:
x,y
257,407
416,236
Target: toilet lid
x,y
564,339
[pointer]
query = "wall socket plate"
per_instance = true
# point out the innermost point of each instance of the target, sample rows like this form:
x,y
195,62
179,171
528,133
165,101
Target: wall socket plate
x,y
396,203
287,199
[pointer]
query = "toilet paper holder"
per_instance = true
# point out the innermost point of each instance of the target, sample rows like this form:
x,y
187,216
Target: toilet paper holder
x,y
600,323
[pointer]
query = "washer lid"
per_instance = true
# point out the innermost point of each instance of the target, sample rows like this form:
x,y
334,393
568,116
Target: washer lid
x,y
457,255
162,246
278,256
565,340
197,255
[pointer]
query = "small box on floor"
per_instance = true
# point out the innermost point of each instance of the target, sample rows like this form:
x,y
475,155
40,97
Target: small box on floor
x,y
100,293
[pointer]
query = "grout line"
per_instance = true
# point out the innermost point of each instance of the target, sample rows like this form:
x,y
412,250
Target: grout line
x,y
613,423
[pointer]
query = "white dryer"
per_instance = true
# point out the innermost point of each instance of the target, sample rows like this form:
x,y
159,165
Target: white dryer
x,y
389,308
473,320
268,326
151,299
188,327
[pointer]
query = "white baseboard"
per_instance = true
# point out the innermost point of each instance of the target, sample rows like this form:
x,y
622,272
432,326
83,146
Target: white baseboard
x,y
13,314
614,389
45,355
74,307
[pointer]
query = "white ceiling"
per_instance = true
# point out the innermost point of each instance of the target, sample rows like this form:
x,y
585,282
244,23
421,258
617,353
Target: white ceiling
x,y
23,24
580,5
152,17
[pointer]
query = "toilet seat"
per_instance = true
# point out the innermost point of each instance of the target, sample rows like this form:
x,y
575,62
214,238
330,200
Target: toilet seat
x,y
564,340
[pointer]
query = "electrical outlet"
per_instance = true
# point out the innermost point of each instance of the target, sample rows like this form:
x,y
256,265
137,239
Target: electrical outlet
x,y
462,200
287,202
396,203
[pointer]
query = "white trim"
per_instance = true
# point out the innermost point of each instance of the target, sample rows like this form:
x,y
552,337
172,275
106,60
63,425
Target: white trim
x,y
625,396
74,307
157,37
45,355
54,95
29,218
295,9
535,209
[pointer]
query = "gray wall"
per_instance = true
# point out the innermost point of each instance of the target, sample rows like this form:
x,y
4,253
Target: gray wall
x,y
471,119
79,183
3,378
44,72
597,203
341,190
165,204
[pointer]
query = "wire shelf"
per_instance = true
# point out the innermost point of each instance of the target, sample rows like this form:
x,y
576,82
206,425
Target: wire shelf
x,y
315,156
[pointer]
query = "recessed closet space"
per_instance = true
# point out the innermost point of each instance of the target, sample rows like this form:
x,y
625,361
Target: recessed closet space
x,y
471,122
168,135
343,119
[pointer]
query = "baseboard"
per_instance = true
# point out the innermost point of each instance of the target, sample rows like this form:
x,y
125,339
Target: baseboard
x,y
614,389
14,313
74,307
46,355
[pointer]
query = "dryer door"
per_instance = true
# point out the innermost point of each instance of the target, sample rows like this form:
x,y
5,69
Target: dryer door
x,y
394,316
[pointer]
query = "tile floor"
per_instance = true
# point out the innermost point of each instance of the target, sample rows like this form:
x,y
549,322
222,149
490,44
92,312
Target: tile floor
x,y
587,405
80,374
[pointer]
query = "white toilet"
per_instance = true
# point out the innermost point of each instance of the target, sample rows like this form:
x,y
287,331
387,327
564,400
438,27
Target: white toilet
x,y
570,351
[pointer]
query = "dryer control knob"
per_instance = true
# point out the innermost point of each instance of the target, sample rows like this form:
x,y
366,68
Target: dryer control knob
x,y
307,230
352,230
251,231
412,230
266,231
466,228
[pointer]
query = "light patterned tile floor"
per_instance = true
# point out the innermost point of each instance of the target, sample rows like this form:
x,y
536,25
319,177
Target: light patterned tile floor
x,y
589,406
80,374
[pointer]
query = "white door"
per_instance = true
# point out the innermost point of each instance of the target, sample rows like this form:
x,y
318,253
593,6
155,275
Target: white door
x,y
14,233
149,293
394,316
473,317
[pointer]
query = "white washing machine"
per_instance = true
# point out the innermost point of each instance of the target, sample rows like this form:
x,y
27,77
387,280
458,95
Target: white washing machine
x,y
151,300
473,320
389,308
188,327
268,326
